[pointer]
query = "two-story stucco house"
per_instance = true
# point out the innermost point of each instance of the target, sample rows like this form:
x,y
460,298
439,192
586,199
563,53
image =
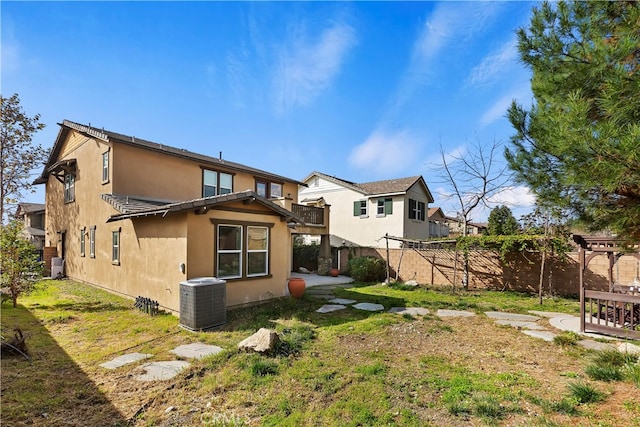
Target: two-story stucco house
x,y
364,213
32,215
138,217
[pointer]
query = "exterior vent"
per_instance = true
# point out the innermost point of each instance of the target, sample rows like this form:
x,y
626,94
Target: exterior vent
x,y
203,303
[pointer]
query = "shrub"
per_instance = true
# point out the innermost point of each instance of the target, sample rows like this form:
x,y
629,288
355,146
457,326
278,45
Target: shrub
x,y
585,393
306,256
368,269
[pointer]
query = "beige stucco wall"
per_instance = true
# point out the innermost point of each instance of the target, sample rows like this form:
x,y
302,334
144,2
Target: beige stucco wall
x,y
152,248
155,175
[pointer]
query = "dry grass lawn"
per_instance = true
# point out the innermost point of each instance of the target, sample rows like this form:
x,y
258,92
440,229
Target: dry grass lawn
x,y
342,368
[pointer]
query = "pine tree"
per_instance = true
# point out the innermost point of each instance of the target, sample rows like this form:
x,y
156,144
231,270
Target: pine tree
x,y
578,146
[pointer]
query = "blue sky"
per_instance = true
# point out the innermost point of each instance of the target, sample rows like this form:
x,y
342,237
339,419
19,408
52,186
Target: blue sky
x,y
363,91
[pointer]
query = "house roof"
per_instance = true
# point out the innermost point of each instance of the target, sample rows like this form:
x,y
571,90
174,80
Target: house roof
x,y
378,188
26,208
109,136
435,212
134,207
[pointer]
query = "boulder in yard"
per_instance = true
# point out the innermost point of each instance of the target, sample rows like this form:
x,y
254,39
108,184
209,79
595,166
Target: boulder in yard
x,y
263,341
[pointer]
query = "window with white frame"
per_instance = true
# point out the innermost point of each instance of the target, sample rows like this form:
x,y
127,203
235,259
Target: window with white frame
x,y
360,208
69,187
229,251
215,183
242,250
416,210
105,167
257,251
115,247
92,241
83,233
385,206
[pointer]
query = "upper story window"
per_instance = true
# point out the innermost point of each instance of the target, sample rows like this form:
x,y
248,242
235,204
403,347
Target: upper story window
x,y
270,190
105,167
360,208
416,210
215,183
69,187
385,206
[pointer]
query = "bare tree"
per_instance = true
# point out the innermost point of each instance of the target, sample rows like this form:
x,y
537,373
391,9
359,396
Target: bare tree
x,y
474,176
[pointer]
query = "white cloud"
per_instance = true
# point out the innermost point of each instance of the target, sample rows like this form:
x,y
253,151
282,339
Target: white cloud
x,y
495,65
513,197
384,151
446,28
307,69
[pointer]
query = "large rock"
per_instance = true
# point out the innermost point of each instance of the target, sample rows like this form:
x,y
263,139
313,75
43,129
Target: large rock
x,y
263,341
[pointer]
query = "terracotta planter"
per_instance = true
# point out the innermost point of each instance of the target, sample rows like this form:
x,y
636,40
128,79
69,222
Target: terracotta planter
x,y
334,272
296,286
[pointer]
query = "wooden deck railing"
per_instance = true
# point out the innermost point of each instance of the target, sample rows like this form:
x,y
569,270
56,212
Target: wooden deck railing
x,y
612,313
311,215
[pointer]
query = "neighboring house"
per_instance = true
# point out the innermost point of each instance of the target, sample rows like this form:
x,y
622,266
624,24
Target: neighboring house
x,y
32,214
438,225
473,228
364,213
138,218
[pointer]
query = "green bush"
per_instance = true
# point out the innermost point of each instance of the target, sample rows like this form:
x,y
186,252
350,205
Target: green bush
x,y
368,269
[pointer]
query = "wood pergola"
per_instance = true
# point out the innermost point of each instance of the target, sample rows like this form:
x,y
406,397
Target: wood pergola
x,y
616,312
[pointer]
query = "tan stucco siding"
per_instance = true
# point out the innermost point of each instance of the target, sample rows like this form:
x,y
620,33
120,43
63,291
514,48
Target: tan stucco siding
x,y
201,254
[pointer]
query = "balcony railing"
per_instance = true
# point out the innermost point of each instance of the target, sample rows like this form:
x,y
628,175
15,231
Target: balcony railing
x,y
311,215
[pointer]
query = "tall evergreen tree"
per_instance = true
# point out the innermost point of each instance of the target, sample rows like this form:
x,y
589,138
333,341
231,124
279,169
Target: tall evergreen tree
x,y
502,222
578,146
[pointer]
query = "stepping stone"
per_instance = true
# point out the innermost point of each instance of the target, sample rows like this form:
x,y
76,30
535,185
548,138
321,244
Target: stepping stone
x,y
367,306
454,313
196,350
412,311
125,360
627,347
549,314
543,335
511,316
159,371
342,301
572,323
595,345
328,308
521,324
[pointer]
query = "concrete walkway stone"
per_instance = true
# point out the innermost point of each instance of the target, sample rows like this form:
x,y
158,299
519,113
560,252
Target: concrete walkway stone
x,y
328,308
367,306
125,360
544,335
342,301
595,345
511,316
572,323
454,313
196,350
412,311
520,324
549,314
159,371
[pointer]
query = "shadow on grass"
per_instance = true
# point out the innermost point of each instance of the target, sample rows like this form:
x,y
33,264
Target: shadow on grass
x,y
83,307
51,389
